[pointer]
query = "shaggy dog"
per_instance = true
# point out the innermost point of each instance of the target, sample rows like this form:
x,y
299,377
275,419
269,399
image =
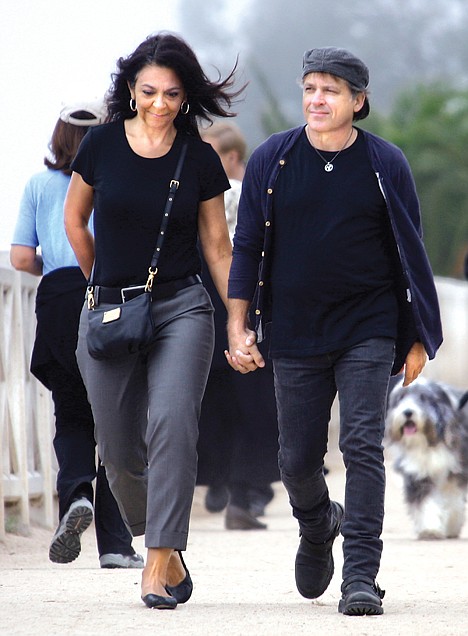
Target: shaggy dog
x,y
427,434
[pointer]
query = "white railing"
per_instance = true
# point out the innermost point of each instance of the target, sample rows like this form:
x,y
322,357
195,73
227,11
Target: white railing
x,y
27,461
451,361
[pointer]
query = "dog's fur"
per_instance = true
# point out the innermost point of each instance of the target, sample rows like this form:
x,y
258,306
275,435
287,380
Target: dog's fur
x,y
427,434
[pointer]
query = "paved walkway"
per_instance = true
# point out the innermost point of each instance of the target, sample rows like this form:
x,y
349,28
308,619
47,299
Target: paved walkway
x,y
244,583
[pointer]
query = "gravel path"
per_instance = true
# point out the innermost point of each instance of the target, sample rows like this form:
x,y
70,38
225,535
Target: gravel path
x,y
244,583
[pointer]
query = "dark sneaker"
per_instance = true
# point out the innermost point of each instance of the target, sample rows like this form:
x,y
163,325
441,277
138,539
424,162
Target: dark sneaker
x,y
360,599
259,497
112,560
216,498
66,542
314,561
240,519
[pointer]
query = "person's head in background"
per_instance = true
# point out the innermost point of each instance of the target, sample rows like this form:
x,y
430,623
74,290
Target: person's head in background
x,y
229,142
72,125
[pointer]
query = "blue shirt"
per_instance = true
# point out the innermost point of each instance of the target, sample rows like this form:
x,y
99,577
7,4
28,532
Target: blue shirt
x,y
40,221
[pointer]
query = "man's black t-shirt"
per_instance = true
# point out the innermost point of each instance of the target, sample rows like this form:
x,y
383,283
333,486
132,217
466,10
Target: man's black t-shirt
x,y
333,272
130,193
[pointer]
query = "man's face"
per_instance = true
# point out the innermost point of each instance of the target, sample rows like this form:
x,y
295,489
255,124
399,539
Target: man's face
x,y
327,102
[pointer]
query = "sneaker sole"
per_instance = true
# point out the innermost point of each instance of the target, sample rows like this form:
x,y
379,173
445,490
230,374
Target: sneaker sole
x,y
360,609
66,547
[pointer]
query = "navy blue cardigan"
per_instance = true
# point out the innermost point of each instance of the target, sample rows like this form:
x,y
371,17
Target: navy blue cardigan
x,y
419,315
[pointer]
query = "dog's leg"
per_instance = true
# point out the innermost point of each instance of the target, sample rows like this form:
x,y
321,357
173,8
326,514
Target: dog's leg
x,y
428,518
454,500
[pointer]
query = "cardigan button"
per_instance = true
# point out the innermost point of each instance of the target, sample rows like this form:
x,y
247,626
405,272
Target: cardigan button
x,y
263,254
270,191
282,162
258,312
267,223
260,283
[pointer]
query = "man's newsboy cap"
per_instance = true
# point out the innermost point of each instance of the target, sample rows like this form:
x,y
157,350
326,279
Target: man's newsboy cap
x,y
343,64
337,62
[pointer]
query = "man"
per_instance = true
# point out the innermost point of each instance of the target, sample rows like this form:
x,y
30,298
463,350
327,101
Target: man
x,y
238,442
329,241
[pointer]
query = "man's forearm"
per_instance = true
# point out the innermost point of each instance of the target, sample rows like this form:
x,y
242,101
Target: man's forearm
x,y
238,314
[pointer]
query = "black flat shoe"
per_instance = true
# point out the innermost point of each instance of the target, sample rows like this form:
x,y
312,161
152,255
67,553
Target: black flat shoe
x,y
154,601
183,591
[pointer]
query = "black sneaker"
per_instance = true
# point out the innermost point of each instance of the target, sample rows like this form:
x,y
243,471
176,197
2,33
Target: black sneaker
x,y
259,497
216,498
360,599
66,542
314,561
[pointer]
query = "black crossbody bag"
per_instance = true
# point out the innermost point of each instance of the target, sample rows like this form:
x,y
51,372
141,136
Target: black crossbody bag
x,y
128,327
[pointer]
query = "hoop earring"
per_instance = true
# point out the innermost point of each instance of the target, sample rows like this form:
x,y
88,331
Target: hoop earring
x,y
133,106
187,108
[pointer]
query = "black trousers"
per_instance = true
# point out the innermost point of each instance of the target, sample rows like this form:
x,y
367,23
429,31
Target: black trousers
x,y
75,448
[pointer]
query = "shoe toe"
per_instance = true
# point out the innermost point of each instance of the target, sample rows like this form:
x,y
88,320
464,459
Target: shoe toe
x,y
240,519
154,601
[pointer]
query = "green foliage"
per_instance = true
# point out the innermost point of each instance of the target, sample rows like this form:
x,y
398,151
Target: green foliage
x,y
272,117
430,124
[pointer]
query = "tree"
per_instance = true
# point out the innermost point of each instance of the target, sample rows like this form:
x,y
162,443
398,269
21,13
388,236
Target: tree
x,y
402,41
405,43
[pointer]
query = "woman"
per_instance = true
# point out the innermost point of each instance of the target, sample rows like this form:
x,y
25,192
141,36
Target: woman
x,y
147,432
58,305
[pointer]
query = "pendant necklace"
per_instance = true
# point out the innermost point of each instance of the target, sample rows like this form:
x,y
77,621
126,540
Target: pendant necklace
x,y
329,164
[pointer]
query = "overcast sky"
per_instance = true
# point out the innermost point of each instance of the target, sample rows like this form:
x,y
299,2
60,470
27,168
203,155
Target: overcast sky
x,y
53,51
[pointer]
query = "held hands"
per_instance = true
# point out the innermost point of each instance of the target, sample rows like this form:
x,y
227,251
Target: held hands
x,y
414,363
243,354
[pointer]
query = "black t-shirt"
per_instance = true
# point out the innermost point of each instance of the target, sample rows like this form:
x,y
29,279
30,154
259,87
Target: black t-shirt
x,y
333,268
130,193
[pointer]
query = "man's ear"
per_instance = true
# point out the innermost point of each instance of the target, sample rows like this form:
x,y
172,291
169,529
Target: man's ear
x,y
359,102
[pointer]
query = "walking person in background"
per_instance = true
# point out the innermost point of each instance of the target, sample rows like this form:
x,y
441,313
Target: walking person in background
x,y
329,239
58,305
147,433
238,443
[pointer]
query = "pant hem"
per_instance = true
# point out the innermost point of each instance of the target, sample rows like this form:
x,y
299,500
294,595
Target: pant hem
x,y
175,540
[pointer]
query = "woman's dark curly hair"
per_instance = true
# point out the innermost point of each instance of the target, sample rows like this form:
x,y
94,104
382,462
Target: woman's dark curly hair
x,y
206,98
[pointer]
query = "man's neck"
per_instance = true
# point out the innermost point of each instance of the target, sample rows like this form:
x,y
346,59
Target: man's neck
x,y
332,141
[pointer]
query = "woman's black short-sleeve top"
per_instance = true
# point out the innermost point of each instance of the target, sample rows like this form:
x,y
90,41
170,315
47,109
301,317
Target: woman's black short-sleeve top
x,y
130,193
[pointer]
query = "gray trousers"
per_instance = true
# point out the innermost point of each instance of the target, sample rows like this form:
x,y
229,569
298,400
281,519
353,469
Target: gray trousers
x,y
146,410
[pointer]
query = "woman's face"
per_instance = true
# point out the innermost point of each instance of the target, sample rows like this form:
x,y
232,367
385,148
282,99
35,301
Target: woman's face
x,y
158,93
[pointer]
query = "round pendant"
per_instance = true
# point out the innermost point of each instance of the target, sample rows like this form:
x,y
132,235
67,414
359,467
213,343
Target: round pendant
x,y
328,167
